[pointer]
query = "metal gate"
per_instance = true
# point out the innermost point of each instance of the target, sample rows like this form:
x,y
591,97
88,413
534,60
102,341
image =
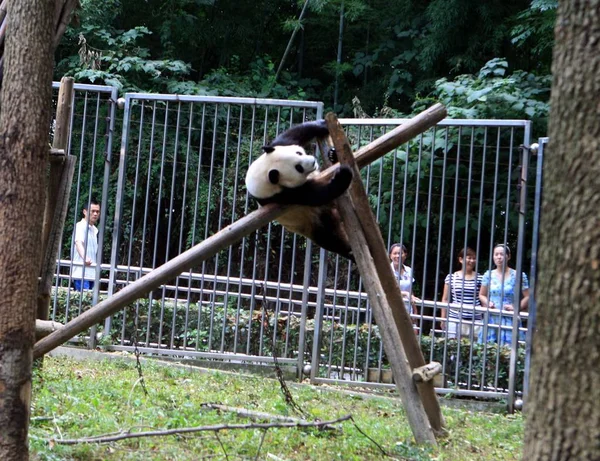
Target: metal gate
x,y
179,179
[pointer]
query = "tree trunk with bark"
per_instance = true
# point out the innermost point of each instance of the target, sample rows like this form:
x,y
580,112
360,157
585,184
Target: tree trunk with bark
x,y
25,103
563,408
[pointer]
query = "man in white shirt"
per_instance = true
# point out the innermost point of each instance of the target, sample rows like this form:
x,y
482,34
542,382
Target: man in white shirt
x,y
85,248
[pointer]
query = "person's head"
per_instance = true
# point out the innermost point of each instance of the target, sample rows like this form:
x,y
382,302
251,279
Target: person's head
x,y
467,258
91,212
398,254
501,255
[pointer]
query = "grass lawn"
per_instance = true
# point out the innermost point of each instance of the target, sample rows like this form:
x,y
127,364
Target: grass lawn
x,y
74,399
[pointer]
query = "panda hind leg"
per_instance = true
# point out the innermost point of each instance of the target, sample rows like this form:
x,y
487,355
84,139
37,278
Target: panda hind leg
x,y
330,234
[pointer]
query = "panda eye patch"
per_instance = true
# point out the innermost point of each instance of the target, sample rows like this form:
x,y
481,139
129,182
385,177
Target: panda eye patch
x,y
299,169
299,153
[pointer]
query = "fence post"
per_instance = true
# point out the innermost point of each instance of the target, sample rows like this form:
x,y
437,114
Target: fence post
x,y
512,370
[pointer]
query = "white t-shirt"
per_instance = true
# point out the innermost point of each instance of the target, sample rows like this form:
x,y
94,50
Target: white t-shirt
x,y
90,243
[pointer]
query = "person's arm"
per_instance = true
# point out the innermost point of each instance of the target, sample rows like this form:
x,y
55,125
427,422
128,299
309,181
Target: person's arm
x,y
81,250
445,298
483,297
525,301
80,243
415,304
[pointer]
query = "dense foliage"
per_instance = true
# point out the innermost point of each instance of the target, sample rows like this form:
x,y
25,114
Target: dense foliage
x,y
385,53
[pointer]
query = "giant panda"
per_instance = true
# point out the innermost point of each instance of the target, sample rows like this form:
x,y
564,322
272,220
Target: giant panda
x,y
286,174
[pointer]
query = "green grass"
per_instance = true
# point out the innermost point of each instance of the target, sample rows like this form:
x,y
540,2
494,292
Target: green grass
x,y
73,399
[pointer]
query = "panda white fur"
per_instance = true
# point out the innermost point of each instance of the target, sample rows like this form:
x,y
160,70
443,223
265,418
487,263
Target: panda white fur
x,y
286,174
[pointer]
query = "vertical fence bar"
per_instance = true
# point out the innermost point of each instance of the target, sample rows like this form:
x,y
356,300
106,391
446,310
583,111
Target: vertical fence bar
x,y
316,360
518,284
542,143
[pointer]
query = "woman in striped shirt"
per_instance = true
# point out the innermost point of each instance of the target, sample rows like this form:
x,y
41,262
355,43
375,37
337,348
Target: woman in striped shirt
x,y
461,289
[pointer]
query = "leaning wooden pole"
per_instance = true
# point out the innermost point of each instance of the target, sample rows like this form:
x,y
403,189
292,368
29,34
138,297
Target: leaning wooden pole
x,y
400,342
222,239
172,268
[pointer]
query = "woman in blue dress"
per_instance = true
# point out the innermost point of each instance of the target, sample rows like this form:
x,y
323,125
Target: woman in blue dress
x,y
498,293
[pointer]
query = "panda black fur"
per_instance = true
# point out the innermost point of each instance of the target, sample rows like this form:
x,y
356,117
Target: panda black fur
x,y
285,174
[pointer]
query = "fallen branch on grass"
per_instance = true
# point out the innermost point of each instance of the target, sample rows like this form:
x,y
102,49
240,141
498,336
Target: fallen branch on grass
x,y
257,415
187,430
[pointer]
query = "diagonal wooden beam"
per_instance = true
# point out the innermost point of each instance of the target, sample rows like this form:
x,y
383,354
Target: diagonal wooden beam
x,y
217,242
395,326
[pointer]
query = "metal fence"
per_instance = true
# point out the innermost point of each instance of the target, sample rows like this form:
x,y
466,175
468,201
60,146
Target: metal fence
x,y
91,141
179,179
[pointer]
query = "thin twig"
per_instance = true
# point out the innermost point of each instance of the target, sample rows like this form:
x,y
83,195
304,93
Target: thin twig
x,y
289,399
262,439
187,430
57,427
222,446
140,379
385,453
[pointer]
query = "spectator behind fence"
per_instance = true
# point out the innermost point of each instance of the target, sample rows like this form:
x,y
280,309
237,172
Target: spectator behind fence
x,y
85,248
404,275
462,289
498,292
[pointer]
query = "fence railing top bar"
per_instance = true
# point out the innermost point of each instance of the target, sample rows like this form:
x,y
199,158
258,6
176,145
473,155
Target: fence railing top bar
x,y
444,122
88,87
223,99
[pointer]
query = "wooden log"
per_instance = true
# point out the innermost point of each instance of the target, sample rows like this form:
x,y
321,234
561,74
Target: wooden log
x,y
44,327
426,372
67,170
204,250
385,298
392,343
402,319
56,154
185,261
57,196
396,137
399,135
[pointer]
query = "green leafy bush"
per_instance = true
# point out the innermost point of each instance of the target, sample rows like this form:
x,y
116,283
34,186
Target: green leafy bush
x,y
495,94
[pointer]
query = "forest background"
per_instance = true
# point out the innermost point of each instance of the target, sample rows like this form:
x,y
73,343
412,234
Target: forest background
x,y
360,57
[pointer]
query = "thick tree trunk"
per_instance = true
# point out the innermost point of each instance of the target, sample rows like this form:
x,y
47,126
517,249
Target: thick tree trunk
x,y
25,103
563,409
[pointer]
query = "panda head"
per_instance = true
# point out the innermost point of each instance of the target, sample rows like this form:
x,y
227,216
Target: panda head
x,y
279,168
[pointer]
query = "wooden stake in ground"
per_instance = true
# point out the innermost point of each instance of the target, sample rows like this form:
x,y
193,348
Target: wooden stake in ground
x,y
394,323
60,178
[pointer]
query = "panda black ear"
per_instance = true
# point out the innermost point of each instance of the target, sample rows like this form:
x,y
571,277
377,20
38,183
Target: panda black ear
x,y
268,149
274,176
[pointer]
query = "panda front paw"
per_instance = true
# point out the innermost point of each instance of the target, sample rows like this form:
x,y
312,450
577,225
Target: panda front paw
x,y
332,155
343,176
